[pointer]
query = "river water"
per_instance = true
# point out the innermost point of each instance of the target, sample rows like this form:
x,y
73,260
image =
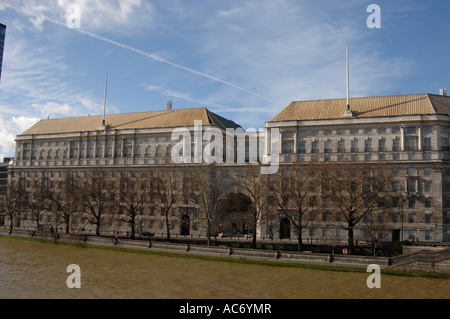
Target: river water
x,y
37,270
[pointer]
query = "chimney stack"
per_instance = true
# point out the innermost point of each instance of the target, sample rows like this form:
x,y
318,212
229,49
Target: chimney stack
x,y
443,92
169,105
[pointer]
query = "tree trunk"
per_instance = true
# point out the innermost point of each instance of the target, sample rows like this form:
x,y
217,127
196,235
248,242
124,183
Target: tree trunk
x,y
300,240
351,243
254,240
255,222
11,224
132,235
167,226
208,232
67,224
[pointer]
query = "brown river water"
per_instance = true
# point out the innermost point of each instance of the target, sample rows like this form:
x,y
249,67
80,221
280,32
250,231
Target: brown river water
x,y
36,270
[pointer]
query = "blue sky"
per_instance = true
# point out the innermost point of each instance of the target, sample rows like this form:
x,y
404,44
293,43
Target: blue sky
x,y
245,60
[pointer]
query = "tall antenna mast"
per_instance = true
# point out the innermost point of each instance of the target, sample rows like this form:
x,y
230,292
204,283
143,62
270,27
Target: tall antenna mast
x,y
348,82
104,101
348,111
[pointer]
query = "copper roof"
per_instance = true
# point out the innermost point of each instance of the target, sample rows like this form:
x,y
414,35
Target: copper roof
x,y
151,119
376,106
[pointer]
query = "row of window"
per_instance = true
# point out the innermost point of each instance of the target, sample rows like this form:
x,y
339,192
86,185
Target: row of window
x,y
73,153
99,142
411,144
366,131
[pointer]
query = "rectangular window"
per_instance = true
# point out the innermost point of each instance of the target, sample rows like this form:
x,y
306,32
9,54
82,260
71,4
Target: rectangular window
x,y
411,144
341,146
127,151
382,145
426,144
395,217
445,144
302,147
411,202
428,217
411,186
315,147
328,148
368,145
355,146
411,218
396,186
287,147
396,145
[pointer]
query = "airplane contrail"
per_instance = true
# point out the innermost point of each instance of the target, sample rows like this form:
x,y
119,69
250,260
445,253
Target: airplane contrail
x,y
152,56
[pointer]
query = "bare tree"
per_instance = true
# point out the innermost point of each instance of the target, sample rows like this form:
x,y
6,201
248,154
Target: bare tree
x,y
355,190
256,186
63,202
208,188
11,203
294,192
130,198
163,191
375,225
95,195
34,198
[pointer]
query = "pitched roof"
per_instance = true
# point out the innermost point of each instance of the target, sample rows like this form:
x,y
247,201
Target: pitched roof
x,y
375,106
139,120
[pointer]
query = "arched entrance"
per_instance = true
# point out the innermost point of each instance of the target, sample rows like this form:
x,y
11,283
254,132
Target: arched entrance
x,y
285,228
185,225
233,216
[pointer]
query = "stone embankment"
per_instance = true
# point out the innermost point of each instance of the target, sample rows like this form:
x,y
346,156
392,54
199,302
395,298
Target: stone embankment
x,y
418,260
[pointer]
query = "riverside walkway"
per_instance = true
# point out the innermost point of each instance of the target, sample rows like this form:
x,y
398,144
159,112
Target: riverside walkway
x,y
417,261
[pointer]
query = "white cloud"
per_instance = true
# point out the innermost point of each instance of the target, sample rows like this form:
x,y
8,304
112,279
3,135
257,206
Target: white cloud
x,y
53,109
9,129
22,123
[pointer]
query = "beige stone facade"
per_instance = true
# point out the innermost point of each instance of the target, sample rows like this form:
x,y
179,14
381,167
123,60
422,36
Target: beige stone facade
x,y
406,134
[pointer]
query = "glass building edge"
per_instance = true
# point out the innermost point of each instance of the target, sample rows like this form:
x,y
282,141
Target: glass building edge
x,y
2,45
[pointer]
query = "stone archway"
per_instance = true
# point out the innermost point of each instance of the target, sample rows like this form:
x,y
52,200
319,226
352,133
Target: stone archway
x,y
185,225
285,228
233,215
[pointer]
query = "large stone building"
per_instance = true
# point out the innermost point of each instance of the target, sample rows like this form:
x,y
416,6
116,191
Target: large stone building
x,y
407,134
